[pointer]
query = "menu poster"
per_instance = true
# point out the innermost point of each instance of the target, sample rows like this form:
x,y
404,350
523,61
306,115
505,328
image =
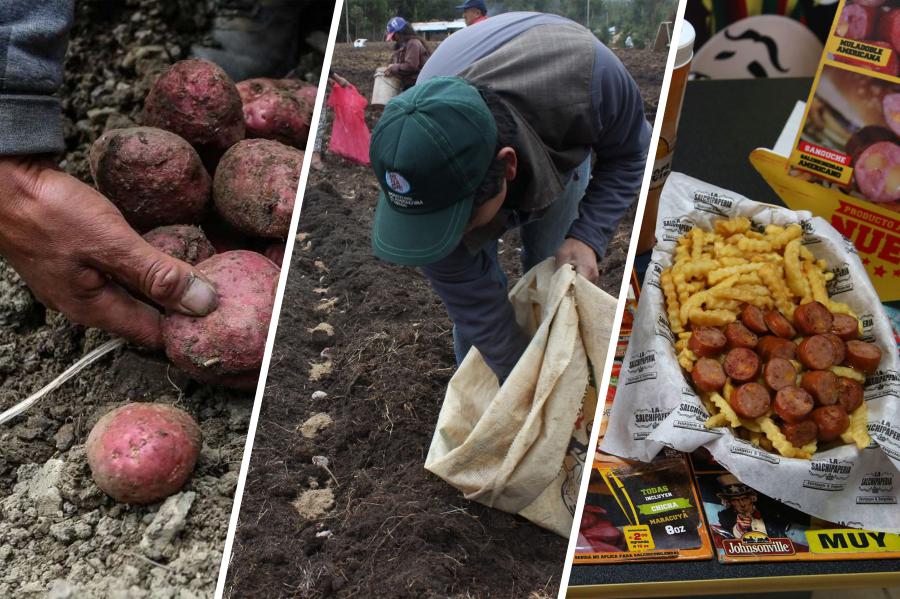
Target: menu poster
x,y
747,526
642,512
847,151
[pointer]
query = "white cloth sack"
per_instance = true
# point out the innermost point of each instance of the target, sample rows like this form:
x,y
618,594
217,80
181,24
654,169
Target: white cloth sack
x,y
521,447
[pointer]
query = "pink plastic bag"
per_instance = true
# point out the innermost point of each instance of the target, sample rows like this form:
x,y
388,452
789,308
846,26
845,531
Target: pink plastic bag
x,y
349,133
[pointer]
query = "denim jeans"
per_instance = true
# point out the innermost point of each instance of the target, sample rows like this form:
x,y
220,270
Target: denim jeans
x,y
540,238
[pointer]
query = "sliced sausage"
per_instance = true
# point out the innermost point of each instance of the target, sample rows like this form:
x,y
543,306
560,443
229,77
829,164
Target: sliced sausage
x,y
875,172
822,385
793,404
708,375
739,335
845,326
837,344
863,356
741,364
816,352
780,325
707,342
851,394
750,401
813,318
775,347
864,138
779,373
890,108
831,420
800,433
889,28
753,319
856,22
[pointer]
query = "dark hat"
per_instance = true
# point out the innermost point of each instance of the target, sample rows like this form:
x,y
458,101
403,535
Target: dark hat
x,y
732,487
430,151
479,4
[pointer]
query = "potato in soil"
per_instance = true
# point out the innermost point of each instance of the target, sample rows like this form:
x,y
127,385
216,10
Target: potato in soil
x,y
143,452
197,100
185,242
153,176
226,347
255,186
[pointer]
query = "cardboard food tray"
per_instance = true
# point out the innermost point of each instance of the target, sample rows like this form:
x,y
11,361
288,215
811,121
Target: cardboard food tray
x,y
656,406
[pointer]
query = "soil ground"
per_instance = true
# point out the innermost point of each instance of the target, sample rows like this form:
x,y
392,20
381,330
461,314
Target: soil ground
x,y
361,362
59,535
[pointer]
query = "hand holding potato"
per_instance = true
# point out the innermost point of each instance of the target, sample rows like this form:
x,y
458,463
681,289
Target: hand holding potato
x,y
78,255
581,256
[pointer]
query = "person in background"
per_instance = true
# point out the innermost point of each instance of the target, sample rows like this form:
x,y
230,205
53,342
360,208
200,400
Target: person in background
x,y
410,52
474,11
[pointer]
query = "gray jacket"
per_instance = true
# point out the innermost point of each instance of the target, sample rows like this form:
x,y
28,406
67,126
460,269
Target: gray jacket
x,y
569,94
33,39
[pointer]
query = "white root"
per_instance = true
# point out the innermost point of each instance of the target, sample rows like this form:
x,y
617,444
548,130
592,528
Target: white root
x,y
71,371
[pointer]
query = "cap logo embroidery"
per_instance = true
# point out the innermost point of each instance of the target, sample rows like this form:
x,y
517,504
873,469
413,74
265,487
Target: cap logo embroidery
x,y
397,182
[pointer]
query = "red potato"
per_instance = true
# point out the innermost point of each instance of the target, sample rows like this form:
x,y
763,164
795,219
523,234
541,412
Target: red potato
x,y
250,89
877,172
856,22
226,347
275,252
255,186
278,115
143,452
198,101
153,176
185,242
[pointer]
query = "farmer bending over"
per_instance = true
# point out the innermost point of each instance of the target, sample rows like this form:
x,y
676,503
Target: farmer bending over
x,y
498,133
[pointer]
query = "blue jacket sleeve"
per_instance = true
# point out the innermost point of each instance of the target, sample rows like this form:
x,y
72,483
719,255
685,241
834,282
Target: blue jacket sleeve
x,y
473,289
620,153
33,39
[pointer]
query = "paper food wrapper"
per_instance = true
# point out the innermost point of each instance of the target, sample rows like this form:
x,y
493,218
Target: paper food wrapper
x,y
656,406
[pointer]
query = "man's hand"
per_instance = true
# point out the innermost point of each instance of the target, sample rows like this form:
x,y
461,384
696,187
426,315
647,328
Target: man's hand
x,y
389,71
581,256
78,255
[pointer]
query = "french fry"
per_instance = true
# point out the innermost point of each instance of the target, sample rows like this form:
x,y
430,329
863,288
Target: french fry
x,y
793,272
725,408
859,426
779,441
849,373
716,421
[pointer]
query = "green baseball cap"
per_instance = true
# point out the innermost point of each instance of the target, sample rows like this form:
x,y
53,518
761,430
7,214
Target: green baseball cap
x,y
430,151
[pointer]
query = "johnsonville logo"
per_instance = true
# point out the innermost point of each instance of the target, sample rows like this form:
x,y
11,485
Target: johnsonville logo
x,y
757,543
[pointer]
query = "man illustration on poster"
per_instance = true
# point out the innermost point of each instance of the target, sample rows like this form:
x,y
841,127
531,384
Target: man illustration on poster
x,y
744,512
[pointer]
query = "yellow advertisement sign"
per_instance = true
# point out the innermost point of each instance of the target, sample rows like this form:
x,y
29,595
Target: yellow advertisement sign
x,y
874,231
638,538
858,50
849,540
